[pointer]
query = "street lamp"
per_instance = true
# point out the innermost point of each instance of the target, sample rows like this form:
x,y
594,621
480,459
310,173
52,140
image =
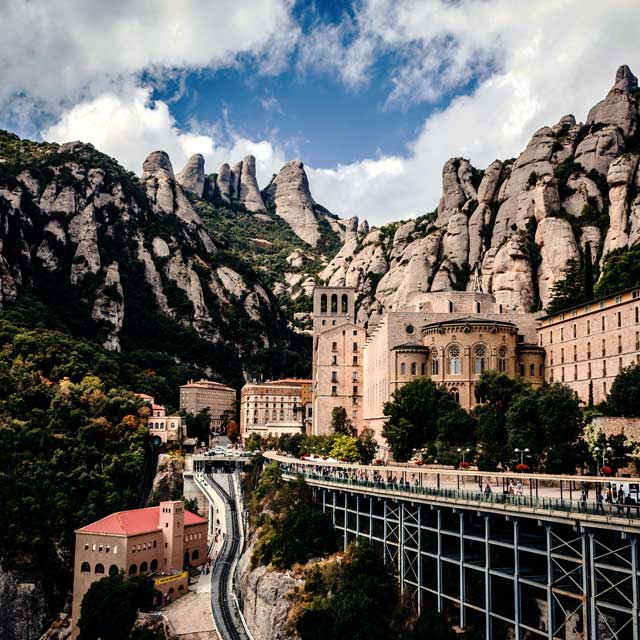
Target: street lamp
x,y
605,450
464,453
522,452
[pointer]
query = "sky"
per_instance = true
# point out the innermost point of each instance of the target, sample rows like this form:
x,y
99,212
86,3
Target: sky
x,y
372,95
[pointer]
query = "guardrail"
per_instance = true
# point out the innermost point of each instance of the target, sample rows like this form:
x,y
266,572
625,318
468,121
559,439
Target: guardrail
x,y
546,493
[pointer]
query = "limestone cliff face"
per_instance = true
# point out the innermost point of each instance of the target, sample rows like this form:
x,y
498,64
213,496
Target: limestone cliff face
x,y
75,226
513,227
23,606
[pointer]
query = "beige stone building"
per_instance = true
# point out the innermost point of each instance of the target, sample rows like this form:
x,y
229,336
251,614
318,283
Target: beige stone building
x,y
275,408
160,541
451,337
337,357
588,345
166,428
207,394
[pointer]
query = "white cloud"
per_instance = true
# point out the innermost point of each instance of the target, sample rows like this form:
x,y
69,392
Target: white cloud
x,y
129,125
542,60
60,52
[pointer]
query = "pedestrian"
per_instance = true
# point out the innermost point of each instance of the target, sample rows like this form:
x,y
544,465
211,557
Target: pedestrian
x,y
512,488
487,491
599,501
519,488
583,501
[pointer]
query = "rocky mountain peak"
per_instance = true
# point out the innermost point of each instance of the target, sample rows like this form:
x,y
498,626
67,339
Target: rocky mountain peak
x,y
192,178
289,193
157,164
625,80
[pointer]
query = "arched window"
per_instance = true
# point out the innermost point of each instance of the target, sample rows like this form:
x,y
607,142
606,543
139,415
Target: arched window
x,y
273,415
195,554
345,303
502,359
171,590
477,307
455,361
85,567
99,568
414,369
154,565
181,587
403,369
281,414
113,570
435,362
144,567
423,369
323,303
334,303
255,417
532,370
450,306
479,359
133,569
455,394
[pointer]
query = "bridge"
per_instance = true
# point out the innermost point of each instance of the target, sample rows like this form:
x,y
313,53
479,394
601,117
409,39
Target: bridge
x,y
527,558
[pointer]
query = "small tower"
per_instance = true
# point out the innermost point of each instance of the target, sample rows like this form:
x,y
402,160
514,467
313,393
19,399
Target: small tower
x,y
332,306
172,525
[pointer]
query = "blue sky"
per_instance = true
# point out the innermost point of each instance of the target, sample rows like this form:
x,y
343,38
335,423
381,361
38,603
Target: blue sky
x,y
373,95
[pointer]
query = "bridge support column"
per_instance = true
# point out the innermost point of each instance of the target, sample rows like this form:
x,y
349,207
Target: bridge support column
x,y
549,584
517,609
487,577
634,584
462,594
439,559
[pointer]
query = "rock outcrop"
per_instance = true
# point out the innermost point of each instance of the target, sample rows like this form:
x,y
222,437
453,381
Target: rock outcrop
x,y
23,606
192,178
289,194
518,223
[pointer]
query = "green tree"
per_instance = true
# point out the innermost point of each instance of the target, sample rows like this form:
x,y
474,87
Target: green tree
x,y
494,393
346,448
621,270
340,424
624,397
432,625
570,289
198,425
418,413
110,606
368,446
191,504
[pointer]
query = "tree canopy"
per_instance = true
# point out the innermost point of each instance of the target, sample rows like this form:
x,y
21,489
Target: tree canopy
x,y
624,397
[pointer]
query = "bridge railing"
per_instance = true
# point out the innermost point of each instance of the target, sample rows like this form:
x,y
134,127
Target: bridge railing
x,y
536,492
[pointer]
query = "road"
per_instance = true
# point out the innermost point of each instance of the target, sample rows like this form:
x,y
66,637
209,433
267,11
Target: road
x,y
223,608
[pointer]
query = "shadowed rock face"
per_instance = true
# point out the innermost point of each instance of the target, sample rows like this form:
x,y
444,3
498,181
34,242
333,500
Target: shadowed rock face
x,y
289,193
489,223
191,178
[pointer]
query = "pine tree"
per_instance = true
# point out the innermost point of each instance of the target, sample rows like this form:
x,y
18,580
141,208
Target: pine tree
x,y
588,272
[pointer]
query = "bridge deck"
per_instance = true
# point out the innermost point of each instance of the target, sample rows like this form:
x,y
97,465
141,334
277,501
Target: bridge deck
x,y
551,497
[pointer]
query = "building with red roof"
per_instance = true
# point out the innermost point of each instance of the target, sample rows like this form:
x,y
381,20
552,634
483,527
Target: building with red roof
x,y
162,541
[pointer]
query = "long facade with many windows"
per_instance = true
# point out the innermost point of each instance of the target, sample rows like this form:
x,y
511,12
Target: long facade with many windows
x,y
587,346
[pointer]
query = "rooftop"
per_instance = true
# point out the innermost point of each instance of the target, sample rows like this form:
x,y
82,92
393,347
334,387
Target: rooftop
x,y
476,320
206,384
134,522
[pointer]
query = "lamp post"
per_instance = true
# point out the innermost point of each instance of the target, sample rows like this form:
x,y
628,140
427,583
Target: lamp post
x,y
522,452
464,453
605,450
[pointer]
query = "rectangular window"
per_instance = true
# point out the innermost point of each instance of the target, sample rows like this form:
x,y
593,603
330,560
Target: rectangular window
x,y
637,312
619,344
561,334
575,371
355,390
354,376
355,346
522,371
574,330
562,370
550,337
637,340
334,346
588,327
589,370
551,354
603,323
334,377
355,360
334,359
562,355
575,352
588,351
551,375
334,391
604,348
619,365
355,332
618,299
619,319
604,368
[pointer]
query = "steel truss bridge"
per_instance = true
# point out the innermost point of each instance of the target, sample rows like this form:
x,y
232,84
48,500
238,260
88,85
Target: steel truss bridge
x,y
541,563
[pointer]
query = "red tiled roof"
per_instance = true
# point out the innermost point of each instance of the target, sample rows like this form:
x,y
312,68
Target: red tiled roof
x,y
289,381
134,521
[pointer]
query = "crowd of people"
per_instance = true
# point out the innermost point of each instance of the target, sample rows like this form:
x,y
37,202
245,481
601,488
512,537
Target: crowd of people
x,y
610,497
